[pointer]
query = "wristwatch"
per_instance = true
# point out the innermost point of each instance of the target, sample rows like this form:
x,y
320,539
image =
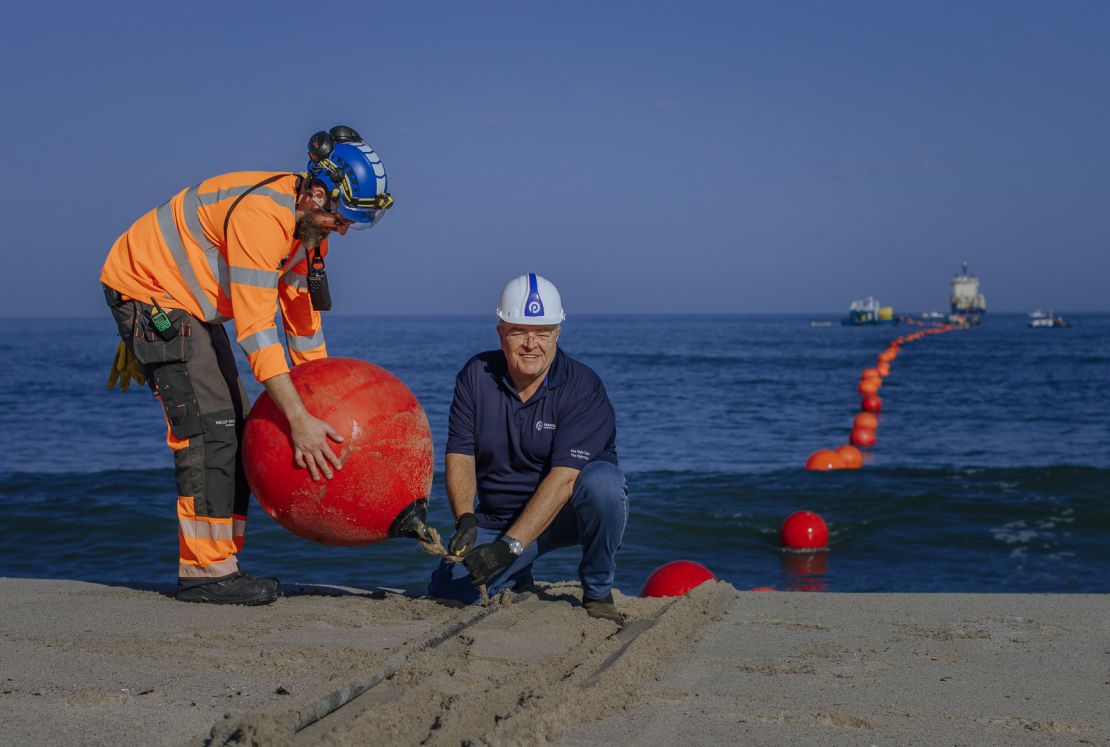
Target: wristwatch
x,y
515,547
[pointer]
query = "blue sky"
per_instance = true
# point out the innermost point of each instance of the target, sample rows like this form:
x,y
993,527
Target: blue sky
x,y
645,156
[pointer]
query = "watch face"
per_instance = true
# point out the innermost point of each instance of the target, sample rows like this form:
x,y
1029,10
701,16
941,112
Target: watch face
x,y
515,547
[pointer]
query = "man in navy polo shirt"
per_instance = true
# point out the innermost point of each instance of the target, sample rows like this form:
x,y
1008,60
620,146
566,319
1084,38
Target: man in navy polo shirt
x,y
533,437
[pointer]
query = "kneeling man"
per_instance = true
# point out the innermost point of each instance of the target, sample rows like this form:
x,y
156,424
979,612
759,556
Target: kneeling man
x,y
532,437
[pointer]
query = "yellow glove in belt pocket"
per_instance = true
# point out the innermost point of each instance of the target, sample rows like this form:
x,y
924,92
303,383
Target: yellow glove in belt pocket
x,y
125,367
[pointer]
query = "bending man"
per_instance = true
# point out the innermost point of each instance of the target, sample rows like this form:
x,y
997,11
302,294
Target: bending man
x,y
235,247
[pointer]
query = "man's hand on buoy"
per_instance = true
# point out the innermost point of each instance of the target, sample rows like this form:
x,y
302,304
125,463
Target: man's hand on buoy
x,y
487,562
310,446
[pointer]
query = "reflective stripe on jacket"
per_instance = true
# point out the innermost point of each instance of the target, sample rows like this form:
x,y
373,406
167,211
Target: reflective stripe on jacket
x,y
178,254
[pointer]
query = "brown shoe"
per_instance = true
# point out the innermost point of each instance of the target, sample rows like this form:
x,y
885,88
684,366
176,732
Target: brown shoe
x,y
604,608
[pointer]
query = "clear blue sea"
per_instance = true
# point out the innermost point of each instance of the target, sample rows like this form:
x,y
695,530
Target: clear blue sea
x,y
991,472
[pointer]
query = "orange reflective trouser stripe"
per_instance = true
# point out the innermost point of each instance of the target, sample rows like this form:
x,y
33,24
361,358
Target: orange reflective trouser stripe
x,y
195,377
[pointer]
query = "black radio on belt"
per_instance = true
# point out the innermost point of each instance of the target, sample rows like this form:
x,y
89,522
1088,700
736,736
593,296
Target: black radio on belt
x,y
318,283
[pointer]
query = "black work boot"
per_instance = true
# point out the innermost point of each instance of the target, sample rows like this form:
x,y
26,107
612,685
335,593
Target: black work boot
x,y
238,588
604,608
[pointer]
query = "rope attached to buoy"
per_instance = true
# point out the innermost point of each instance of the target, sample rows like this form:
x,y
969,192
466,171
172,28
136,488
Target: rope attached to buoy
x,y
430,542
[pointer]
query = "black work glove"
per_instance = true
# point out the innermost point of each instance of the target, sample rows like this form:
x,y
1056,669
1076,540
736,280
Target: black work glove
x,y
487,562
466,532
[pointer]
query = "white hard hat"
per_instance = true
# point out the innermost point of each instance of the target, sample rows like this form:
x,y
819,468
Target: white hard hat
x,y
531,299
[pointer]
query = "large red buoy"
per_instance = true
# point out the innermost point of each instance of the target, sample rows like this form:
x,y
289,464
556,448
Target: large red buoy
x,y
804,531
824,459
382,490
676,578
871,403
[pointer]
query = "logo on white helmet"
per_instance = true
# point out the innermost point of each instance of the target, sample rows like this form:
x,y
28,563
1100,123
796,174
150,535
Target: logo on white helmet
x,y
533,305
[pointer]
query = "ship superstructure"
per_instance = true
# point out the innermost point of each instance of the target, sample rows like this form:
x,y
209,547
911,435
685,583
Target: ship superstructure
x,y
966,298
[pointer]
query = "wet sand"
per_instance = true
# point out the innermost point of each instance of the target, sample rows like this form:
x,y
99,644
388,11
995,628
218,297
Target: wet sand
x,y
85,663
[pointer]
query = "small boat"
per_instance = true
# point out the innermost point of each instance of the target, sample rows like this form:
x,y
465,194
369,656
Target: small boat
x,y
868,311
820,324
1041,319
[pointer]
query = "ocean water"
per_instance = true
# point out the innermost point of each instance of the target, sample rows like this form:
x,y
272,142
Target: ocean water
x,y
991,472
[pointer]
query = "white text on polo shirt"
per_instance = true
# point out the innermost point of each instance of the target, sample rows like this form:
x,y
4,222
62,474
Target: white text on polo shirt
x,y
580,454
542,426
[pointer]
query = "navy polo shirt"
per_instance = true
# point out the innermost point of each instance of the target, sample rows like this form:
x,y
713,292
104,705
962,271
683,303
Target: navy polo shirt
x,y
568,422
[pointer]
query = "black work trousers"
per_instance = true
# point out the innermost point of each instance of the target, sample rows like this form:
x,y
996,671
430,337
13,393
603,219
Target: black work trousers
x,y
194,375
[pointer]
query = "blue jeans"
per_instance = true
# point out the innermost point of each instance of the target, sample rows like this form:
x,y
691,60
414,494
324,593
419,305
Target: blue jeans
x,y
593,518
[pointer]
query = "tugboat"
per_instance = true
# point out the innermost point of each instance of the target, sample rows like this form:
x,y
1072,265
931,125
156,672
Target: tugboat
x,y
868,311
966,299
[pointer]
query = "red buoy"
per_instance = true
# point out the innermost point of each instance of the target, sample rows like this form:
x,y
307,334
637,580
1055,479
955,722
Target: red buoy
x,y
804,531
676,578
871,403
869,386
883,368
864,437
824,459
850,455
866,420
382,490
871,373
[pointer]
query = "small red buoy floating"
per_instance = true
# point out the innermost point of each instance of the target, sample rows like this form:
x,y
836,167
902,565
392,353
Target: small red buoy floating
x,y
850,455
382,490
871,373
883,368
866,420
864,437
676,578
871,403
804,531
869,386
824,459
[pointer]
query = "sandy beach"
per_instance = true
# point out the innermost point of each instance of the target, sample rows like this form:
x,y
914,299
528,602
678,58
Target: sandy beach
x,y
85,663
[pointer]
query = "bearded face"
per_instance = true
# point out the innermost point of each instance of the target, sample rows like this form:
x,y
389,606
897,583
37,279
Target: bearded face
x,y
309,232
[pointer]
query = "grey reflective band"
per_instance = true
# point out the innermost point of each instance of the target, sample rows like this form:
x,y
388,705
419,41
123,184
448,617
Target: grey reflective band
x,y
295,280
216,261
255,278
261,339
281,198
206,530
168,228
301,344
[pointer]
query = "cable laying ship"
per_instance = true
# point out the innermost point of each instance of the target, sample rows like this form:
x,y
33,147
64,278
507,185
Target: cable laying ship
x,y
966,298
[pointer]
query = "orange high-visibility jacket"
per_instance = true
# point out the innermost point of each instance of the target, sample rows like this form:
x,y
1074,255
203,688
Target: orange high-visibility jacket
x,y
178,254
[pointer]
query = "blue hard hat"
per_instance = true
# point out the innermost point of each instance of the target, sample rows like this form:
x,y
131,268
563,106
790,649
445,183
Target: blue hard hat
x,y
355,180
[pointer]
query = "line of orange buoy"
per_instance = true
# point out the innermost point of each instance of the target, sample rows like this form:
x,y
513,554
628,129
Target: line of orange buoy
x,y
865,426
804,535
806,531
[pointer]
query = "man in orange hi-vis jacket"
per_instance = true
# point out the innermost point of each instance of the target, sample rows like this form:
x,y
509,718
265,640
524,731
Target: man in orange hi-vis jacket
x,y
235,247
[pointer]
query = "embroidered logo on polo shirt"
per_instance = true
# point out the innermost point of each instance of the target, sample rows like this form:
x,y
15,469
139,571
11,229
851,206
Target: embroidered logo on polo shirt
x,y
542,426
580,454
